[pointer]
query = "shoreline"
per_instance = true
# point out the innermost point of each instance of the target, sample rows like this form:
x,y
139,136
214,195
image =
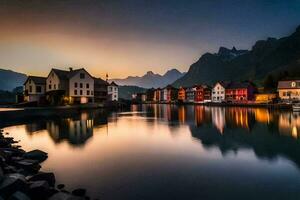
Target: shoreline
x,y
21,178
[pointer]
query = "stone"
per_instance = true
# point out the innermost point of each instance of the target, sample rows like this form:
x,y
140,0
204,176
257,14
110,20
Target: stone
x,y
64,196
12,183
39,190
44,176
19,196
36,155
60,186
79,192
31,165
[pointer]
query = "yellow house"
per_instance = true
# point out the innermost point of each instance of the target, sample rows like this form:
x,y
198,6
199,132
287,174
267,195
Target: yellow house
x,y
265,97
289,90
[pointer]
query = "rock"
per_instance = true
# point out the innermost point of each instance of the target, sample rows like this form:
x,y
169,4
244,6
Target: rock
x,y
64,196
60,186
31,165
12,183
19,196
79,192
44,176
36,155
39,190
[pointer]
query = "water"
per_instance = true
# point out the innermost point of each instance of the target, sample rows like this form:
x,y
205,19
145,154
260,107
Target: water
x,y
171,152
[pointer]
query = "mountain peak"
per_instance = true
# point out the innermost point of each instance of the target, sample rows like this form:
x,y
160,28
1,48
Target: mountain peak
x,y
150,73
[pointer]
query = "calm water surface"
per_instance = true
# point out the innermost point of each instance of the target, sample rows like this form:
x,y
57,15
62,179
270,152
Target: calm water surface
x,y
171,152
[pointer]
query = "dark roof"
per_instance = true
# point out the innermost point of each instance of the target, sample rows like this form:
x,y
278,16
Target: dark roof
x,y
100,81
37,80
66,75
113,84
237,85
224,84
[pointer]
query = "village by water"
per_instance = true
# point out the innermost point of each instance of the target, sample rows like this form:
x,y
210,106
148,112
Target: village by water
x,y
165,151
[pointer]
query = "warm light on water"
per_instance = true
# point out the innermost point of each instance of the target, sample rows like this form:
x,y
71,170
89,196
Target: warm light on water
x,y
170,152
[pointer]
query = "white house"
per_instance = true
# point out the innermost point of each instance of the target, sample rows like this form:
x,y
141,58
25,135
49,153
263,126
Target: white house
x,y
113,92
218,91
34,88
75,86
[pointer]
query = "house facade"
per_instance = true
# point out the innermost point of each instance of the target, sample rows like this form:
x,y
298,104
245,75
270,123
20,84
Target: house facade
x,y
202,94
113,92
34,88
169,94
181,94
218,92
100,90
289,90
240,92
150,93
72,87
190,94
157,93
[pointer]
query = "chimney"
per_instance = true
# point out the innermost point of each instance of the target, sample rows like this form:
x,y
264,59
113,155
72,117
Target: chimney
x,y
71,69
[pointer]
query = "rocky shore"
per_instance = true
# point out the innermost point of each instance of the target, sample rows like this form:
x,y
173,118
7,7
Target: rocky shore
x,y
21,178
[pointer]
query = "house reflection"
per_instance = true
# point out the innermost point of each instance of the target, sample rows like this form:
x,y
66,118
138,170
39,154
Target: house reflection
x,y
75,131
289,124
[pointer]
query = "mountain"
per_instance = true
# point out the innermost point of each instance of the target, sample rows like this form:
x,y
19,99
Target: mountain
x,y
151,79
125,92
279,58
10,79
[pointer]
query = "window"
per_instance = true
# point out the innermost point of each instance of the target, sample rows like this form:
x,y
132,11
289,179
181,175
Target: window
x,y
30,88
54,87
87,85
75,85
92,93
75,92
38,89
81,85
87,92
50,87
115,89
29,81
80,92
82,75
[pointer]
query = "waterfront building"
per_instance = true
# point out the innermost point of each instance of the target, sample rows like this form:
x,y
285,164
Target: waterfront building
x,y
203,94
71,87
157,93
34,89
169,94
150,93
100,90
139,97
113,91
181,94
265,97
240,92
218,92
289,90
190,94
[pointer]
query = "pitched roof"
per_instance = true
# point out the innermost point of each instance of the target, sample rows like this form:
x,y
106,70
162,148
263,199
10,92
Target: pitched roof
x,y
113,84
100,81
37,80
288,84
224,84
66,75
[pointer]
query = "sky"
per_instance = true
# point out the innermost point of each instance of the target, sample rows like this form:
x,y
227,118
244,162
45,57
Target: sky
x,y
130,37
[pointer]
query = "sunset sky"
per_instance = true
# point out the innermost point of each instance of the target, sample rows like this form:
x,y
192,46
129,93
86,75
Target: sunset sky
x,y
130,37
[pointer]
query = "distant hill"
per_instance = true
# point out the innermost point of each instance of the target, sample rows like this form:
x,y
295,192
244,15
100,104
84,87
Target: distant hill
x,y
126,91
151,79
9,80
279,58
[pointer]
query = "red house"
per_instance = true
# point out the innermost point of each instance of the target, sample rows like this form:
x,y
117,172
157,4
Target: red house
x,y
202,94
240,92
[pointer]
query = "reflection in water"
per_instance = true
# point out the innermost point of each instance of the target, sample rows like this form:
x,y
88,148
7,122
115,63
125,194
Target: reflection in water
x,y
172,152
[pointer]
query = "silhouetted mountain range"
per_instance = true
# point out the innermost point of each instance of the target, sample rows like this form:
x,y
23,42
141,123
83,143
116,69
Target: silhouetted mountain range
x,y
151,79
267,57
9,80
